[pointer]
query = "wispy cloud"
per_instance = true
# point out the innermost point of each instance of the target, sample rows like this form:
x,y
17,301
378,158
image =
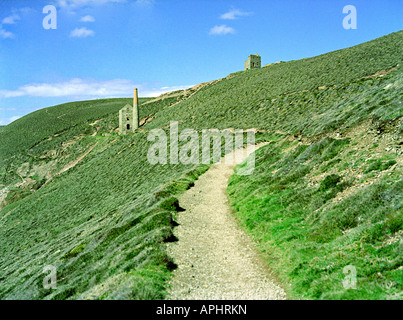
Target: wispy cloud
x,y
87,19
87,88
155,92
234,14
79,3
74,87
222,30
11,19
6,34
81,33
71,5
5,121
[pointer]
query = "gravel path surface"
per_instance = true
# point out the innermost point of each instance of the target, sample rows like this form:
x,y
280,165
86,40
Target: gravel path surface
x,y
215,258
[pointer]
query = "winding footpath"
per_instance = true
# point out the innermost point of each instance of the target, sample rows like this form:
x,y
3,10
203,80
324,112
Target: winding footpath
x,y
216,259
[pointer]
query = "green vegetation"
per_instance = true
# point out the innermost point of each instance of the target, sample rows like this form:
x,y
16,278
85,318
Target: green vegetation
x,y
329,182
102,224
64,130
309,96
379,165
310,231
324,194
25,132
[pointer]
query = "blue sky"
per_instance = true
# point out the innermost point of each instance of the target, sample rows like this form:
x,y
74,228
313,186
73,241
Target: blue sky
x,y
105,48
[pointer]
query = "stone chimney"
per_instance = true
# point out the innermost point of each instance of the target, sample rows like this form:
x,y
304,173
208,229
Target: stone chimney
x,y
135,111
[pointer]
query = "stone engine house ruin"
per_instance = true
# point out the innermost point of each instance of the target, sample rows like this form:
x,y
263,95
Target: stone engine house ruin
x,y
129,116
254,61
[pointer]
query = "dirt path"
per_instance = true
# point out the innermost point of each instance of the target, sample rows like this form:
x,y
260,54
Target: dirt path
x,y
215,258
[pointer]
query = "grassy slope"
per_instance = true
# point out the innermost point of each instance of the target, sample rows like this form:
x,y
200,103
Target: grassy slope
x,y
111,207
59,123
316,208
285,96
103,223
27,140
306,234
32,128
83,214
318,205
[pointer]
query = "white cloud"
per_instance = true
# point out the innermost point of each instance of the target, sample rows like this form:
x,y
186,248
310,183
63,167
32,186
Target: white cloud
x,y
87,19
74,87
221,30
234,14
6,34
11,19
6,121
87,88
8,20
81,33
158,91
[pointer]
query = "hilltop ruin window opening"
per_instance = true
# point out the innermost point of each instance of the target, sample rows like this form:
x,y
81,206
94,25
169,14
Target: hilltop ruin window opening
x,y
128,126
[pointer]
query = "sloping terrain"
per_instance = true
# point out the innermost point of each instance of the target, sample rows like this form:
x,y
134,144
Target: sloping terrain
x,y
326,191
309,96
318,206
216,259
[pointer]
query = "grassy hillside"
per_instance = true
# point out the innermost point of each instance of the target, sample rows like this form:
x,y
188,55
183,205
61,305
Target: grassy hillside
x,y
326,191
25,132
286,96
112,211
60,134
316,207
102,224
